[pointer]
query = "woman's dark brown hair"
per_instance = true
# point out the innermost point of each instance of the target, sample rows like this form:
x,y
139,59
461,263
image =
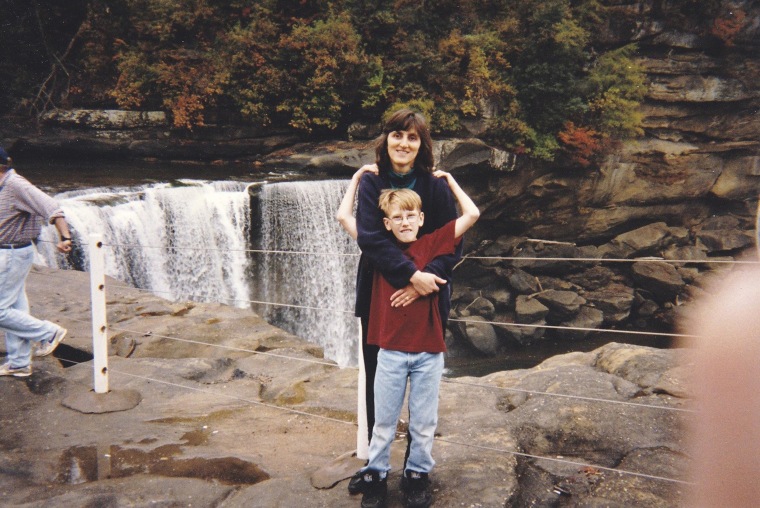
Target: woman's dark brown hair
x,y
404,120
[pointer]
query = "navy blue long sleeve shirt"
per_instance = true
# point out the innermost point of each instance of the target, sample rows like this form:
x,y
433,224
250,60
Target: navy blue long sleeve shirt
x,y
380,250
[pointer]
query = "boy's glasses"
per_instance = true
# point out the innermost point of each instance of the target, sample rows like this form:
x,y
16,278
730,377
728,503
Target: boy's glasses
x,y
410,218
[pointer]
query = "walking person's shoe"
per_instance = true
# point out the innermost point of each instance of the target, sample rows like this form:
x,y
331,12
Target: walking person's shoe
x,y
416,489
375,489
49,346
7,370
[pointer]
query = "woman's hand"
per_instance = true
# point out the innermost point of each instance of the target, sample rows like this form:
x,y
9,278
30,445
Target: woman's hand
x,y
404,296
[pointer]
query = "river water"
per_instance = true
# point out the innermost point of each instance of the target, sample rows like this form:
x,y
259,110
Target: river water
x,y
187,232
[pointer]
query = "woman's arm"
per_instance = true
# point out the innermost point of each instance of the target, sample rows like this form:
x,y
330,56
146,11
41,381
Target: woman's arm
x,y
345,214
440,208
374,241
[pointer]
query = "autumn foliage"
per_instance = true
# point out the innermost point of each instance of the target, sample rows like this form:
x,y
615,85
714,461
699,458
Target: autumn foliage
x,y
529,75
581,144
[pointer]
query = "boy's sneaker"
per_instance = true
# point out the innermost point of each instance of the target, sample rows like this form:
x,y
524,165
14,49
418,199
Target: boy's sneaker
x,y
49,346
375,489
416,489
356,483
7,370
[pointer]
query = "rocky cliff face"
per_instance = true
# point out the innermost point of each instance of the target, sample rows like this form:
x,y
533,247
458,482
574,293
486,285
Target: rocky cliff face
x,y
687,190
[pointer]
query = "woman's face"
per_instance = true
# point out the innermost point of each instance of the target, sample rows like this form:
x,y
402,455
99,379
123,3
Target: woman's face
x,y
402,149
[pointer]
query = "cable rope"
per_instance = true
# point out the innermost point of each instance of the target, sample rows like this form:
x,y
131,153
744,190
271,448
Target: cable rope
x,y
564,461
616,260
576,328
229,396
444,379
221,346
567,396
437,438
253,251
488,258
236,300
459,320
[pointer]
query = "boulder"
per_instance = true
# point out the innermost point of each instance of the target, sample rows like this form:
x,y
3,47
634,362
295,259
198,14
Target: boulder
x,y
481,335
529,310
458,154
483,307
614,301
587,318
500,297
724,240
644,241
659,278
522,282
552,251
563,305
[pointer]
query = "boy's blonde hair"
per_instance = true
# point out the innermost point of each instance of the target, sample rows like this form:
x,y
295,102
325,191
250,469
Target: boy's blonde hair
x,y
405,199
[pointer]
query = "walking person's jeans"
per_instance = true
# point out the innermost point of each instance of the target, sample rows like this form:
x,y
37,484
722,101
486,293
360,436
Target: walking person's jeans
x,y
20,328
424,371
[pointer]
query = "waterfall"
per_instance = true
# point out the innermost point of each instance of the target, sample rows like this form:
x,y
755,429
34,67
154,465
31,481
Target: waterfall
x,y
185,240
314,268
200,241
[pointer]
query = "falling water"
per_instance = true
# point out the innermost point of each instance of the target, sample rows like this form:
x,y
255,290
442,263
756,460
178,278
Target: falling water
x,y
183,241
314,268
191,242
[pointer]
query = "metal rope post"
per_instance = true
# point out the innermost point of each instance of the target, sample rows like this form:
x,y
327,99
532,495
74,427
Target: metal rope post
x,y
99,322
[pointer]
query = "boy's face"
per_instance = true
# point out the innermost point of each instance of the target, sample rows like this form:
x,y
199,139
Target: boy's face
x,y
405,224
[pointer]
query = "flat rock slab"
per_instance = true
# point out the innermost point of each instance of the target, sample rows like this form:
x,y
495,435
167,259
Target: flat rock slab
x,y
97,403
338,470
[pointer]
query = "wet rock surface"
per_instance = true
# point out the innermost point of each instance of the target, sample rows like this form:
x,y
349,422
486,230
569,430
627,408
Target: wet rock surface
x,y
237,427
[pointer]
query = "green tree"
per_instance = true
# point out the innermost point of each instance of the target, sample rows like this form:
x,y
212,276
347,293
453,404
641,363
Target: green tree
x,y
171,59
326,65
615,87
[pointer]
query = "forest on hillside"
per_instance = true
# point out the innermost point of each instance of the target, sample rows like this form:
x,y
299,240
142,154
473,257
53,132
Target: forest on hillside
x,y
543,77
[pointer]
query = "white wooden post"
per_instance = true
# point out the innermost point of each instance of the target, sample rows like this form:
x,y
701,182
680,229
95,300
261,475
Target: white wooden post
x,y
362,443
99,323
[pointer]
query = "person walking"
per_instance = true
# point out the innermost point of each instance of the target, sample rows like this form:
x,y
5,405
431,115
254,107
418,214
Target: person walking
x,y
23,208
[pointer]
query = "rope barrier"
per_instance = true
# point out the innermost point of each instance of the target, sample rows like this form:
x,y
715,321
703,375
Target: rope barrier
x,y
616,260
227,395
220,346
459,320
239,300
437,438
567,396
648,259
575,328
447,380
444,379
253,251
564,461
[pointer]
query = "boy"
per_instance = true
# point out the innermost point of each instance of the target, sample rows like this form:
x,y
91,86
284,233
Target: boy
x,y
411,341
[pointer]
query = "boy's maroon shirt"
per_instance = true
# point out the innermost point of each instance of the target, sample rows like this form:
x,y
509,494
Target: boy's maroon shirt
x,y
416,328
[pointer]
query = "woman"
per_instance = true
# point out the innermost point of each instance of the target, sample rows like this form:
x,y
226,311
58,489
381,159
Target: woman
x,y
404,159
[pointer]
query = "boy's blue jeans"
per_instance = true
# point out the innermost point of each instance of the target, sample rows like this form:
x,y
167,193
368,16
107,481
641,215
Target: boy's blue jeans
x,y
424,371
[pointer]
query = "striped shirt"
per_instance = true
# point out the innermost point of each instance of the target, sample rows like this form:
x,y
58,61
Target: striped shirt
x,y
23,209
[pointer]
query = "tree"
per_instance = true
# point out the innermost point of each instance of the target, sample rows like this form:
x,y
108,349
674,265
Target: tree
x,y
327,65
